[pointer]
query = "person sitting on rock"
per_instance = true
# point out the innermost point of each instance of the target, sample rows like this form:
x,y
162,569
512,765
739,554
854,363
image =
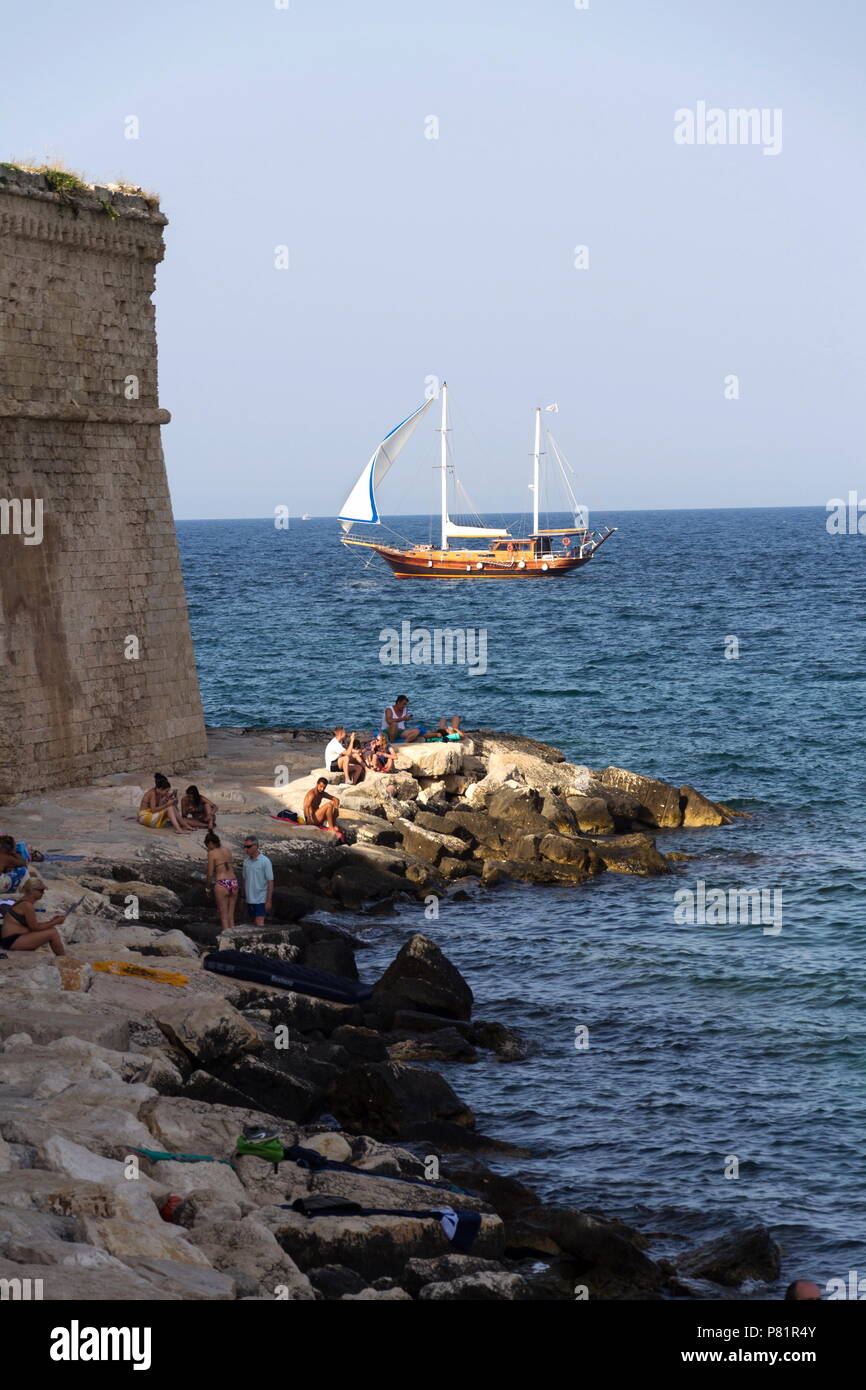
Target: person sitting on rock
x,y
221,873
159,807
395,721
14,869
345,758
379,755
317,814
21,928
197,810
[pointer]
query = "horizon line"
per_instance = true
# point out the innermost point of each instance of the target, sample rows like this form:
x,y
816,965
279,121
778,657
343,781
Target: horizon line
x,y
790,507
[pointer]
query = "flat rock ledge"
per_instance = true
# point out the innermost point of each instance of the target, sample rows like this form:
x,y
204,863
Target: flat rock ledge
x,y
104,1070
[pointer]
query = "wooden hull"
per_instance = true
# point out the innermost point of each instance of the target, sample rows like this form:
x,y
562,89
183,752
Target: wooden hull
x,y
417,563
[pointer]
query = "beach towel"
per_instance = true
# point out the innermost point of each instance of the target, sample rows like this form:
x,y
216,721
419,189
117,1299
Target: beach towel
x,y
158,1156
154,819
274,1151
63,858
13,879
144,972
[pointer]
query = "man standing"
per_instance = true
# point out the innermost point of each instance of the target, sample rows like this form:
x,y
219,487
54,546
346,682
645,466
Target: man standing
x,y
258,881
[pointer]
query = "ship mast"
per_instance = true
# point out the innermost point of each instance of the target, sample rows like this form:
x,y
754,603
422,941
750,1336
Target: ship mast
x,y
443,464
535,468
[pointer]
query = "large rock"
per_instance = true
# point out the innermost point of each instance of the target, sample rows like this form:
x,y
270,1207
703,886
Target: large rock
x,y
210,1031
604,1258
248,1245
699,810
534,770
110,1283
444,1269
179,1124
429,845
632,854
658,800
421,977
478,1288
301,1013
252,1084
429,759
386,1097
445,1045
732,1259
592,813
374,1246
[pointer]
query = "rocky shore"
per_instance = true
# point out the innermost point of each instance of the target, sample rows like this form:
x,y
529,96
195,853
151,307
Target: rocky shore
x,y
98,1064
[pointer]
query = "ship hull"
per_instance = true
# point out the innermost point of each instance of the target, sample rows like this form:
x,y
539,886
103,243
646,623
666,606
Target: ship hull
x,y
433,564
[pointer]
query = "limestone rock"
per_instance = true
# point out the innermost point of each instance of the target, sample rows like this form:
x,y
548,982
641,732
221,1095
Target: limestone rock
x,y
631,854
386,1097
371,1295
699,810
429,759
732,1259
421,977
592,813
429,845
484,1287
373,1246
608,1261
443,1269
444,1045
661,801
210,1031
175,943
331,1146
112,1283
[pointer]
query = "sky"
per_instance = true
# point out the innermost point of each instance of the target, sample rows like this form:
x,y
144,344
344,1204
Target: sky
x,y
707,352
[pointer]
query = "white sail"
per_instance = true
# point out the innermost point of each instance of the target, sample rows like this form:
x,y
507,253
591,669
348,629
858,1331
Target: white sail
x,y
360,505
452,529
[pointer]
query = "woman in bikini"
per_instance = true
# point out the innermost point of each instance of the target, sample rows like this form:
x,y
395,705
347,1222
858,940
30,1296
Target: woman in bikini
x,y
22,930
159,807
221,872
378,754
195,809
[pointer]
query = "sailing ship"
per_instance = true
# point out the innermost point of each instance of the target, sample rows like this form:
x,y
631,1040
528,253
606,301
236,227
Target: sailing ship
x,y
491,552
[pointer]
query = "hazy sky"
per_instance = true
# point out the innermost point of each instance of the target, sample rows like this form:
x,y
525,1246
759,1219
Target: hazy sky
x,y
408,257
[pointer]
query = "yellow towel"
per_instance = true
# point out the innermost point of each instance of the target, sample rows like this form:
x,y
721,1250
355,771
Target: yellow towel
x,y
144,972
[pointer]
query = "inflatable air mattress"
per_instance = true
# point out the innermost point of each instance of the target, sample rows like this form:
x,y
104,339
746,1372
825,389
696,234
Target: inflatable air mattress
x,y
244,965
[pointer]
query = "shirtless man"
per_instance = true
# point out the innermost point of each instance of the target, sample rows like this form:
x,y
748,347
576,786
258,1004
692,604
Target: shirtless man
x,y
317,814
159,806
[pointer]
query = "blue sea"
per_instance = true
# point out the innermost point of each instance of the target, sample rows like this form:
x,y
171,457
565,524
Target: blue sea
x,y
707,1043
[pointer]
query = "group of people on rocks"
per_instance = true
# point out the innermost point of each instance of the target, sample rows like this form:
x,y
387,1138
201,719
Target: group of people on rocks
x,y
20,928
160,809
378,754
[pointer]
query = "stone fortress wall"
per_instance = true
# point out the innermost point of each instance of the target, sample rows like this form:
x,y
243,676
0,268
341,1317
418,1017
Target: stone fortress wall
x,y
97,671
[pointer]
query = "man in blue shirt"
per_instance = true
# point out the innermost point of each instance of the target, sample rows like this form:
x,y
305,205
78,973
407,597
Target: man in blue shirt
x,y
258,881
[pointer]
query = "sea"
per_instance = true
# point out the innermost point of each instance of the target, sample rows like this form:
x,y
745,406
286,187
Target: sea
x,y
691,1077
